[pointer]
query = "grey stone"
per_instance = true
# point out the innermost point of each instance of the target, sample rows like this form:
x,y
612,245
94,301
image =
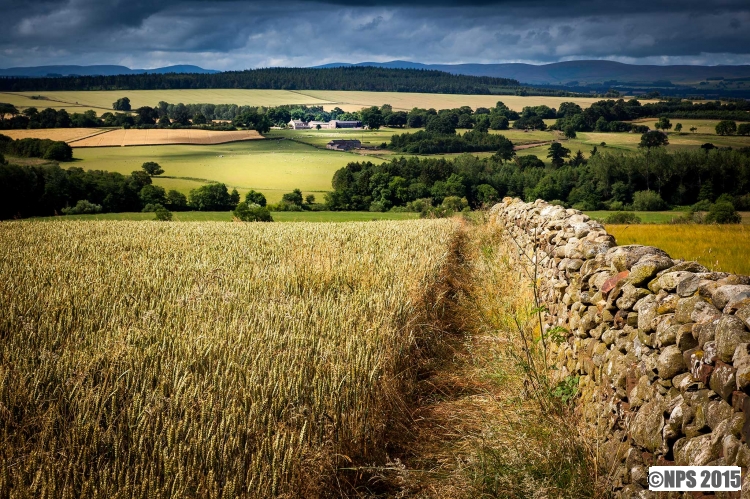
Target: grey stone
x,y
698,451
646,309
718,411
725,294
684,338
624,257
741,362
630,296
744,314
668,281
647,267
688,285
684,309
641,393
646,428
723,380
730,332
671,362
704,312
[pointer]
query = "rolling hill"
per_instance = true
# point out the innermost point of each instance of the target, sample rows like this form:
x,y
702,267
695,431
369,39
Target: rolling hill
x,y
99,70
573,73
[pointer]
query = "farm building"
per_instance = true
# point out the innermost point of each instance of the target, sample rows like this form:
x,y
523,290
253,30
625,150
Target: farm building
x,y
301,125
344,124
298,125
344,145
323,124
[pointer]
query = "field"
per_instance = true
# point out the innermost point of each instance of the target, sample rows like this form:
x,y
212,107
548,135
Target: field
x,y
143,359
100,101
354,101
273,167
63,134
722,248
225,216
140,137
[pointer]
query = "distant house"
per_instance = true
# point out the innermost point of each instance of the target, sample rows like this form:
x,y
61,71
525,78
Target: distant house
x,y
344,145
323,124
344,124
298,125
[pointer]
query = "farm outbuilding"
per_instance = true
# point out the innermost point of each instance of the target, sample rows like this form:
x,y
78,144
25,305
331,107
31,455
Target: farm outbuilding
x,y
344,145
298,125
344,124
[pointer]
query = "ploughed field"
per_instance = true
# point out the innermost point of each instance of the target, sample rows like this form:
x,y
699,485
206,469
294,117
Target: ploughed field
x,y
143,359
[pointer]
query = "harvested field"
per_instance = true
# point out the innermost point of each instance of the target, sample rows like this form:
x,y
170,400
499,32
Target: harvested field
x,y
64,134
134,137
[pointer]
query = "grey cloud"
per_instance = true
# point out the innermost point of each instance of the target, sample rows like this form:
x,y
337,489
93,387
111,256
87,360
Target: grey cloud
x,y
228,34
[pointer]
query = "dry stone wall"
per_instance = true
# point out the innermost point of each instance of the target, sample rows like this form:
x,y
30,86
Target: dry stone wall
x,y
661,346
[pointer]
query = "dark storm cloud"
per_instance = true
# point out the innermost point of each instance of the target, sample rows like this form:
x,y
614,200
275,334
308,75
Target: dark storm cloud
x,y
235,34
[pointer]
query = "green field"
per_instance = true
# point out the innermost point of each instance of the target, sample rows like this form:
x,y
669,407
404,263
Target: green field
x,y
226,216
270,166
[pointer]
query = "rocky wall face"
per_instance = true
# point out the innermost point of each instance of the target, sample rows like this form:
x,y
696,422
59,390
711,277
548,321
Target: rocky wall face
x,y
661,346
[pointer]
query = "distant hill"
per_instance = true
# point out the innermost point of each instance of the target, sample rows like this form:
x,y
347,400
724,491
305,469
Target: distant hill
x,y
101,70
573,73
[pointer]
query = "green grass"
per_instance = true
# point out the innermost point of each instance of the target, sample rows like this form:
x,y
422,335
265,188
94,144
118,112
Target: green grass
x,y
226,216
273,167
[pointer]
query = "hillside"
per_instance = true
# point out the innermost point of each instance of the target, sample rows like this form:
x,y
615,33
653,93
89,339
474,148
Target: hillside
x,y
575,72
97,70
356,78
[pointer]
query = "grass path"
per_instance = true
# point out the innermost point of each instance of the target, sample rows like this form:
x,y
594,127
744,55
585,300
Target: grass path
x,y
474,429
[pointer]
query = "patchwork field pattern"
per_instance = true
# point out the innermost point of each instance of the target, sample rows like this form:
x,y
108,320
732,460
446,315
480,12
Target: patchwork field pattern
x,y
159,136
100,101
211,359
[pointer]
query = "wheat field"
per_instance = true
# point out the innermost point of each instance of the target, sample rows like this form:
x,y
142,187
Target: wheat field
x,y
155,360
143,137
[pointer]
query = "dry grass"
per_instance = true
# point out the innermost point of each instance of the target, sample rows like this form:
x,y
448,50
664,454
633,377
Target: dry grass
x,y
479,431
147,359
63,134
158,136
718,247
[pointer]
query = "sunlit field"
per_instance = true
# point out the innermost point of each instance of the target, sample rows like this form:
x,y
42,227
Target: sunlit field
x,y
718,247
148,359
100,101
273,167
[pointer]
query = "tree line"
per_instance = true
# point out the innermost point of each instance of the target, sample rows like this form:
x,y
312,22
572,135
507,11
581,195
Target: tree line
x,y
651,179
36,148
344,78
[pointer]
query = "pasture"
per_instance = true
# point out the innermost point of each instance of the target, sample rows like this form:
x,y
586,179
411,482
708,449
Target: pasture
x,y
158,136
273,167
207,359
718,247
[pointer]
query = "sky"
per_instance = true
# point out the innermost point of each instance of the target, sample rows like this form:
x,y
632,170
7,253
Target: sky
x,y
244,34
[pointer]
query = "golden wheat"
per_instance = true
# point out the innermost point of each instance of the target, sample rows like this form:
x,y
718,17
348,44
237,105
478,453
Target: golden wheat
x,y
153,360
